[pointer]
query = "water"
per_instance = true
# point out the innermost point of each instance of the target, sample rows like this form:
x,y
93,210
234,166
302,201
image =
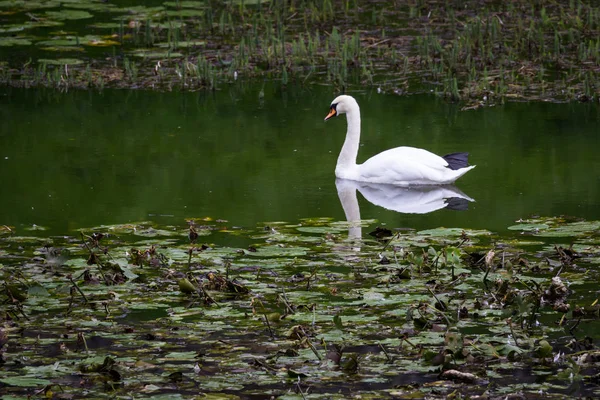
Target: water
x,y
81,159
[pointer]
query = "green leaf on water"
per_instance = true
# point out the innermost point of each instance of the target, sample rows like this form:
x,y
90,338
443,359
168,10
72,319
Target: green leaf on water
x,y
445,232
180,355
63,49
128,272
320,229
25,381
10,41
185,286
37,291
35,227
185,4
70,40
557,227
105,25
43,23
572,229
100,6
528,227
12,28
60,61
19,4
184,13
63,41
67,14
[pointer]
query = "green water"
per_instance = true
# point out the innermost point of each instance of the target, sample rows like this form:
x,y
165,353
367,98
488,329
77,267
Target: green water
x,y
81,159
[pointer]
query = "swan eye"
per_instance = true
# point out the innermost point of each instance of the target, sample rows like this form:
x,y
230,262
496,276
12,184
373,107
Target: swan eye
x,y
332,112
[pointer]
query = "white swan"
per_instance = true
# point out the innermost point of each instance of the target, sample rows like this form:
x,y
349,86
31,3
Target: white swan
x,y
403,166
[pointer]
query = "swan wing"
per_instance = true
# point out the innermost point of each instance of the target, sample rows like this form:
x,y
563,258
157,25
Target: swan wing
x,y
407,166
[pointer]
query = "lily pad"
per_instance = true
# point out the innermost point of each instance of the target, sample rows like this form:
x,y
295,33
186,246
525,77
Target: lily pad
x,y
67,14
66,41
24,381
185,4
528,227
20,4
105,25
10,41
60,61
453,232
88,40
557,227
63,48
185,13
12,28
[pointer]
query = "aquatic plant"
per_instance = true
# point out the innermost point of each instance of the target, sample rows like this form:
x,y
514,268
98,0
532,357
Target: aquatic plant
x,y
157,310
373,43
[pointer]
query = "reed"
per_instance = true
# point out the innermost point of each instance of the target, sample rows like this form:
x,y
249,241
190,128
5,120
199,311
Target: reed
x,y
131,69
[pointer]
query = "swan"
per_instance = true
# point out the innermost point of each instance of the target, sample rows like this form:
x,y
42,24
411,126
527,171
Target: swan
x,y
402,166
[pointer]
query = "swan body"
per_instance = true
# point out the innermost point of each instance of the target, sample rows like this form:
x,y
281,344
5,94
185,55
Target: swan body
x,y
402,166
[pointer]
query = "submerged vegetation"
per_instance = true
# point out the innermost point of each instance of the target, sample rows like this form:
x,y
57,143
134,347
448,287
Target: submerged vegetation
x,y
301,311
477,51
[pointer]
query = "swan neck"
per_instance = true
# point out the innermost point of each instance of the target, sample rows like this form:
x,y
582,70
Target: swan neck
x,y
349,151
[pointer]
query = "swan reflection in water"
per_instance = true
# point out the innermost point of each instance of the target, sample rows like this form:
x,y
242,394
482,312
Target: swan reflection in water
x,y
408,200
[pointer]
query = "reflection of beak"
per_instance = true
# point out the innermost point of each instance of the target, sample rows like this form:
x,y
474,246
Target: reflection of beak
x,y
332,113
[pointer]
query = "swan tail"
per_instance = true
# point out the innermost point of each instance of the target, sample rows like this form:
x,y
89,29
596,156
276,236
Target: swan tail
x,y
457,203
457,160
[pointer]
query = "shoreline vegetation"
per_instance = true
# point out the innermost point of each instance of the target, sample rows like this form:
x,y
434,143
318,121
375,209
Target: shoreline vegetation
x,y
477,53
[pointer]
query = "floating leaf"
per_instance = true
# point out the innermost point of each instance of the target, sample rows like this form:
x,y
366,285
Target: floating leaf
x,y
60,61
185,286
67,14
63,48
528,227
105,25
185,4
25,381
13,28
10,41
185,13
442,232
64,41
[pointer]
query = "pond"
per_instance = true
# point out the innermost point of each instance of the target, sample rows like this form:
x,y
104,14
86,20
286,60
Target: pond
x,y
108,291
188,239
80,159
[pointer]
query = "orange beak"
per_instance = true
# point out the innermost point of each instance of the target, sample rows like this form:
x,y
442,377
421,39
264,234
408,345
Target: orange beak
x,y
332,113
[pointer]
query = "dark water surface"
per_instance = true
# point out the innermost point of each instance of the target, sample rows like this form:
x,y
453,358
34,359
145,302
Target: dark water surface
x,y
81,159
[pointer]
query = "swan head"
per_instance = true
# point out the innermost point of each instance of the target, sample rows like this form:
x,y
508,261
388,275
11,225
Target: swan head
x,y
341,105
